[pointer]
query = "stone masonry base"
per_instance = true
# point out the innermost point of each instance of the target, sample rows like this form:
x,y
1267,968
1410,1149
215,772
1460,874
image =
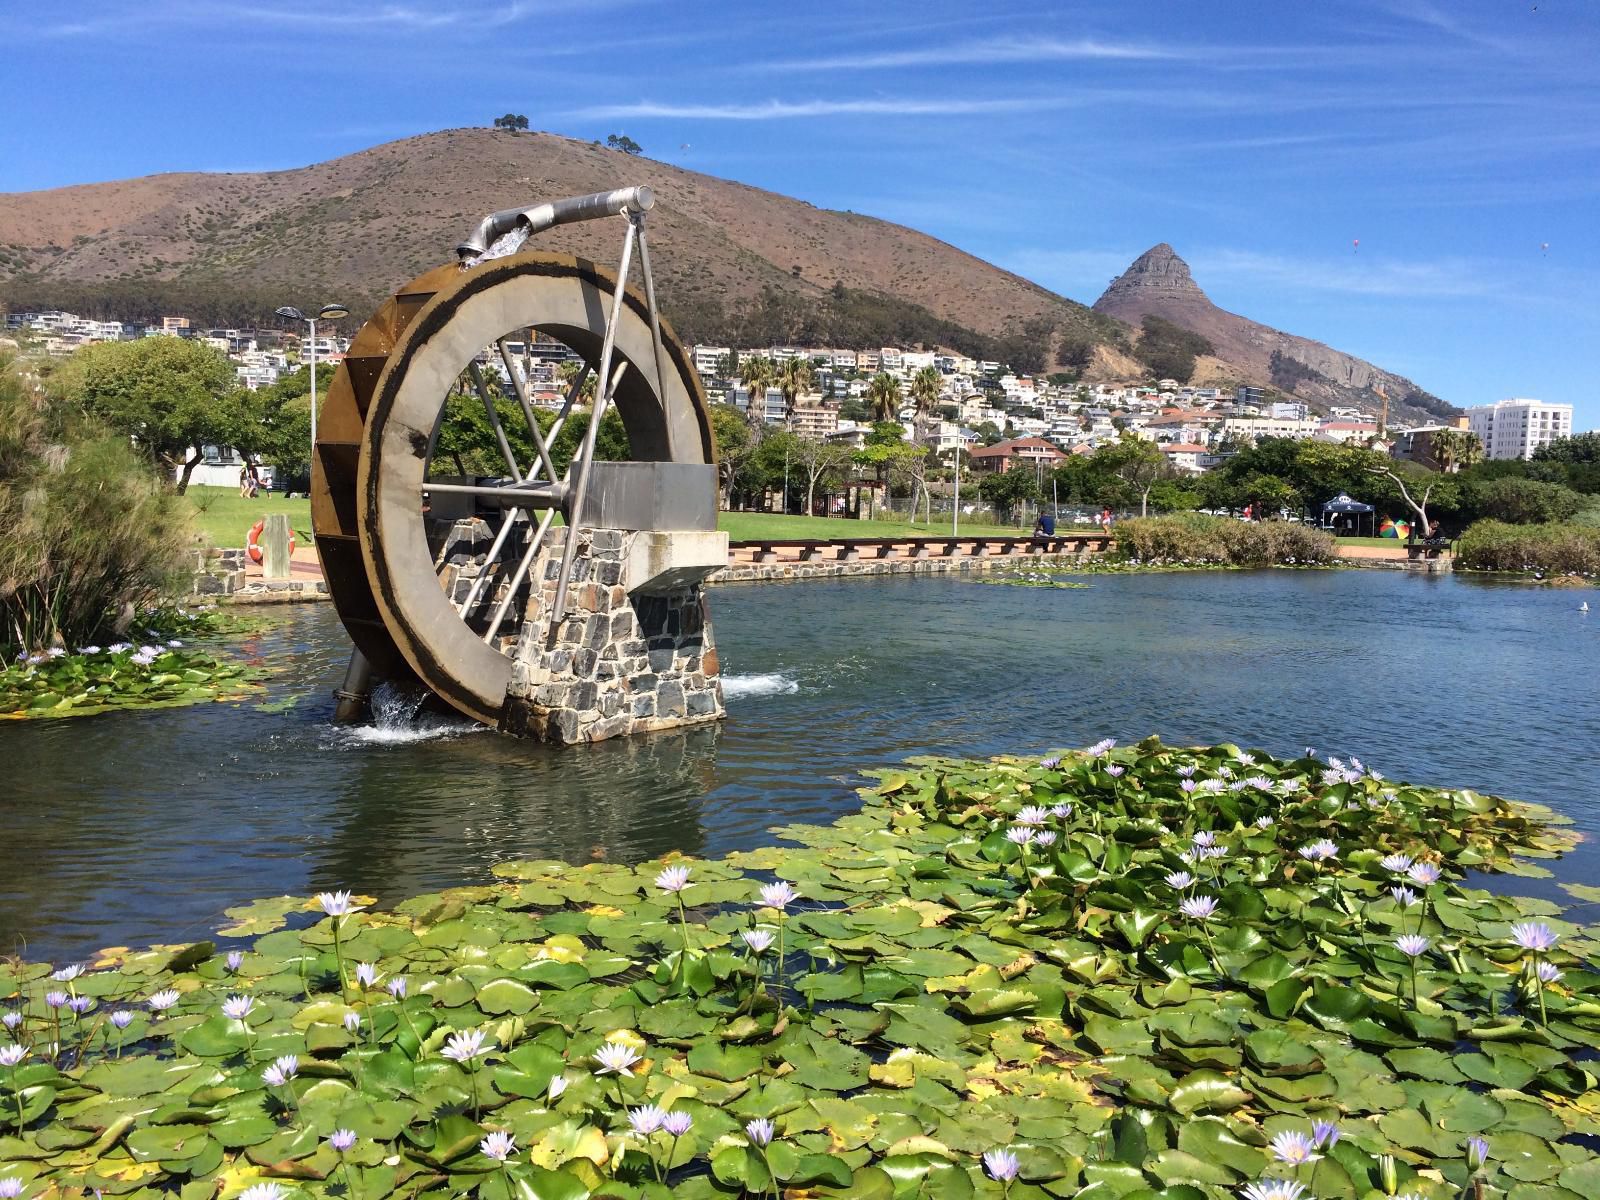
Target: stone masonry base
x,y
618,663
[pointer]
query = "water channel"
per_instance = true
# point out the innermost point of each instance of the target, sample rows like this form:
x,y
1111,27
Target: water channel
x,y
139,828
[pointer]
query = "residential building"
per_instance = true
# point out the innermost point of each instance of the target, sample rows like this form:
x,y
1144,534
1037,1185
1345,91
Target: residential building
x,y
1028,452
1249,429
1358,432
1184,457
708,360
1253,397
812,419
1516,428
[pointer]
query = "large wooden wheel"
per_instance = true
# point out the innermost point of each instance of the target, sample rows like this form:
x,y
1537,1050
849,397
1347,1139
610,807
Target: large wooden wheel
x,y
386,512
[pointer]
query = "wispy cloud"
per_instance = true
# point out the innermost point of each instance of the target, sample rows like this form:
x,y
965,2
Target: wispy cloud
x,y
1356,276
990,50
787,110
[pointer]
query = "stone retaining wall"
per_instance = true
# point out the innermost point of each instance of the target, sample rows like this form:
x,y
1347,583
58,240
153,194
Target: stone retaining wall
x,y
829,568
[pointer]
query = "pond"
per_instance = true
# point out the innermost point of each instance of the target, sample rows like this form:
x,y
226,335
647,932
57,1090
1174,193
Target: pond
x,y
139,828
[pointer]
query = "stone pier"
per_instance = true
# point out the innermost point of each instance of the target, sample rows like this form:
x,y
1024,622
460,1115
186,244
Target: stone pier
x,y
635,652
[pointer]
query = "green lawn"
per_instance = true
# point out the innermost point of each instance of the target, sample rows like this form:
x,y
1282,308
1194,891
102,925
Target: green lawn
x,y
226,519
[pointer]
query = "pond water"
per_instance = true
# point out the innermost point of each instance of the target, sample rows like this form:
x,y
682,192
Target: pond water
x,y
138,828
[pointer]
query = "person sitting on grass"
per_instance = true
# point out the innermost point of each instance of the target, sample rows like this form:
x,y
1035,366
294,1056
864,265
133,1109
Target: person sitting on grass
x,y
1044,529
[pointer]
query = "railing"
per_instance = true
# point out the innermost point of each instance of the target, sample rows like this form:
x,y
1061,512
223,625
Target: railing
x,y
965,545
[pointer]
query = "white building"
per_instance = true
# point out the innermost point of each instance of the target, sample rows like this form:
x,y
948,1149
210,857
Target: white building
x,y
1516,428
708,360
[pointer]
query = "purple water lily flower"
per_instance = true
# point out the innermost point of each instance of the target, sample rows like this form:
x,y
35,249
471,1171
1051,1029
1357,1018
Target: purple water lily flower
x,y
1102,747
1188,786
1031,814
1051,763
342,1140
122,1018
235,960
396,987
1398,864
778,895
759,1131
163,1000
1534,935
1477,1153
677,1123
615,1057
80,1004
499,1146
1273,1189
237,1008
1045,837
645,1120
1115,770
336,904
759,940
1186,771
1403,896
12,1053
1001,1165
1021,835
1412,944
465,1046
1325,1133
1061,811
1546,972
1199,908
1179,880
366,974
1423,873
56,999
10,1187
1293,1147
673,879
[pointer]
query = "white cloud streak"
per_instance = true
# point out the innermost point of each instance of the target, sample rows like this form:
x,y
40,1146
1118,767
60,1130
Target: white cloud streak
x,y
992,50
786,110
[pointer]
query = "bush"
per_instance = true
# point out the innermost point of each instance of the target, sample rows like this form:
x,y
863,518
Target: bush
x,y
1552,549
1524,501
85,528
1195,539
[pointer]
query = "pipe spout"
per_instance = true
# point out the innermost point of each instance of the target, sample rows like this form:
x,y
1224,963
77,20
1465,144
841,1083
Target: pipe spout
x,y
539,217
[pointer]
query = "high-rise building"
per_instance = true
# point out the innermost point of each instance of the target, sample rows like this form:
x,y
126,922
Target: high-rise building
x,y
1516,428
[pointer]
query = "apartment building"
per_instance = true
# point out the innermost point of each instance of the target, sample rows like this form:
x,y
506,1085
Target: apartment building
x,y
1516,428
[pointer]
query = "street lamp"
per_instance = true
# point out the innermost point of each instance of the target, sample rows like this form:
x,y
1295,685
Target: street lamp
x,y
328,312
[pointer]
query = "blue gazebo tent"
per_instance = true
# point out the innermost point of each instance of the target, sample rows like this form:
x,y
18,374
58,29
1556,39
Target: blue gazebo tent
x,y
1342,506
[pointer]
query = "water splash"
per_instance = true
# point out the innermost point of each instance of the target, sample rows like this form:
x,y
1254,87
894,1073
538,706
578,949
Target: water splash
x,y
506,244
771,684
398,720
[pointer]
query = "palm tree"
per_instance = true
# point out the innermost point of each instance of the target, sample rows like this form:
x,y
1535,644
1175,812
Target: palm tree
x,y
883,393
793,377
757,375
926,385
1455,448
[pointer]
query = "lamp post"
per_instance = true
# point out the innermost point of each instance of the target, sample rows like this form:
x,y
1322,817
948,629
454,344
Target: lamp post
x,y
955,511
328,312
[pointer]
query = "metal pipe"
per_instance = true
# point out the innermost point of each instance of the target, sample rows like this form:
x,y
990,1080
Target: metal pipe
x,y
655,316
539,217
518,495
586,453
527,411
352,694
494,417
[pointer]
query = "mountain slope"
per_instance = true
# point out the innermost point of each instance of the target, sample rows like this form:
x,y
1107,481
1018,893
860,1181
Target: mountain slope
x,y
358,226
1159,284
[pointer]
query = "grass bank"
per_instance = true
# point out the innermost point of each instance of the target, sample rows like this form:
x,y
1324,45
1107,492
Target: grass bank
x,y
1143,972
226,519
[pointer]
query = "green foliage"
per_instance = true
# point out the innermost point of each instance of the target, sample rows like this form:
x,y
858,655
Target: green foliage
x,y
1167,350
1288,373
170,395
1548,549
511,122
468,446
1579,448
85,528
1195,539
1008,489
942,992
1523,501
883,396
120,677
621,141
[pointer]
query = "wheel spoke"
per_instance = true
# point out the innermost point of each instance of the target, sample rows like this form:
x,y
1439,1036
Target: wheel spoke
x,y
521,387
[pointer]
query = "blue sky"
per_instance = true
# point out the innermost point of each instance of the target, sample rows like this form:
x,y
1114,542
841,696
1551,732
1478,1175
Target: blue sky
x,y
1453,139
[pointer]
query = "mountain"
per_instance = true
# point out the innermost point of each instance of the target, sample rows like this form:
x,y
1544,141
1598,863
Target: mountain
x,y
731,261
1159,284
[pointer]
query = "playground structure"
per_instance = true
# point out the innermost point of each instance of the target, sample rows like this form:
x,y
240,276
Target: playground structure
x,y
566,604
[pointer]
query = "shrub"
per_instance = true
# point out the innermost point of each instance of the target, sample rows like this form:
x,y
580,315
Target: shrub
x,y
85,529
1552,549
1524,501
1192,538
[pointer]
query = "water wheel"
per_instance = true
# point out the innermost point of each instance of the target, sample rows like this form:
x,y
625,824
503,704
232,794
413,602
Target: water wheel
x,y
393,509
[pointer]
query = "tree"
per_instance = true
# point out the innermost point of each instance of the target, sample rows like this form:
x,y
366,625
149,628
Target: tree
x,y
795,376
1453,449
989,433
621,141
818,461
282,435
883,394
1168,350
757,375
735,444
511,121
171,396
1524,501
1579,448
1135,463
926,385
1007,489
1418,503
